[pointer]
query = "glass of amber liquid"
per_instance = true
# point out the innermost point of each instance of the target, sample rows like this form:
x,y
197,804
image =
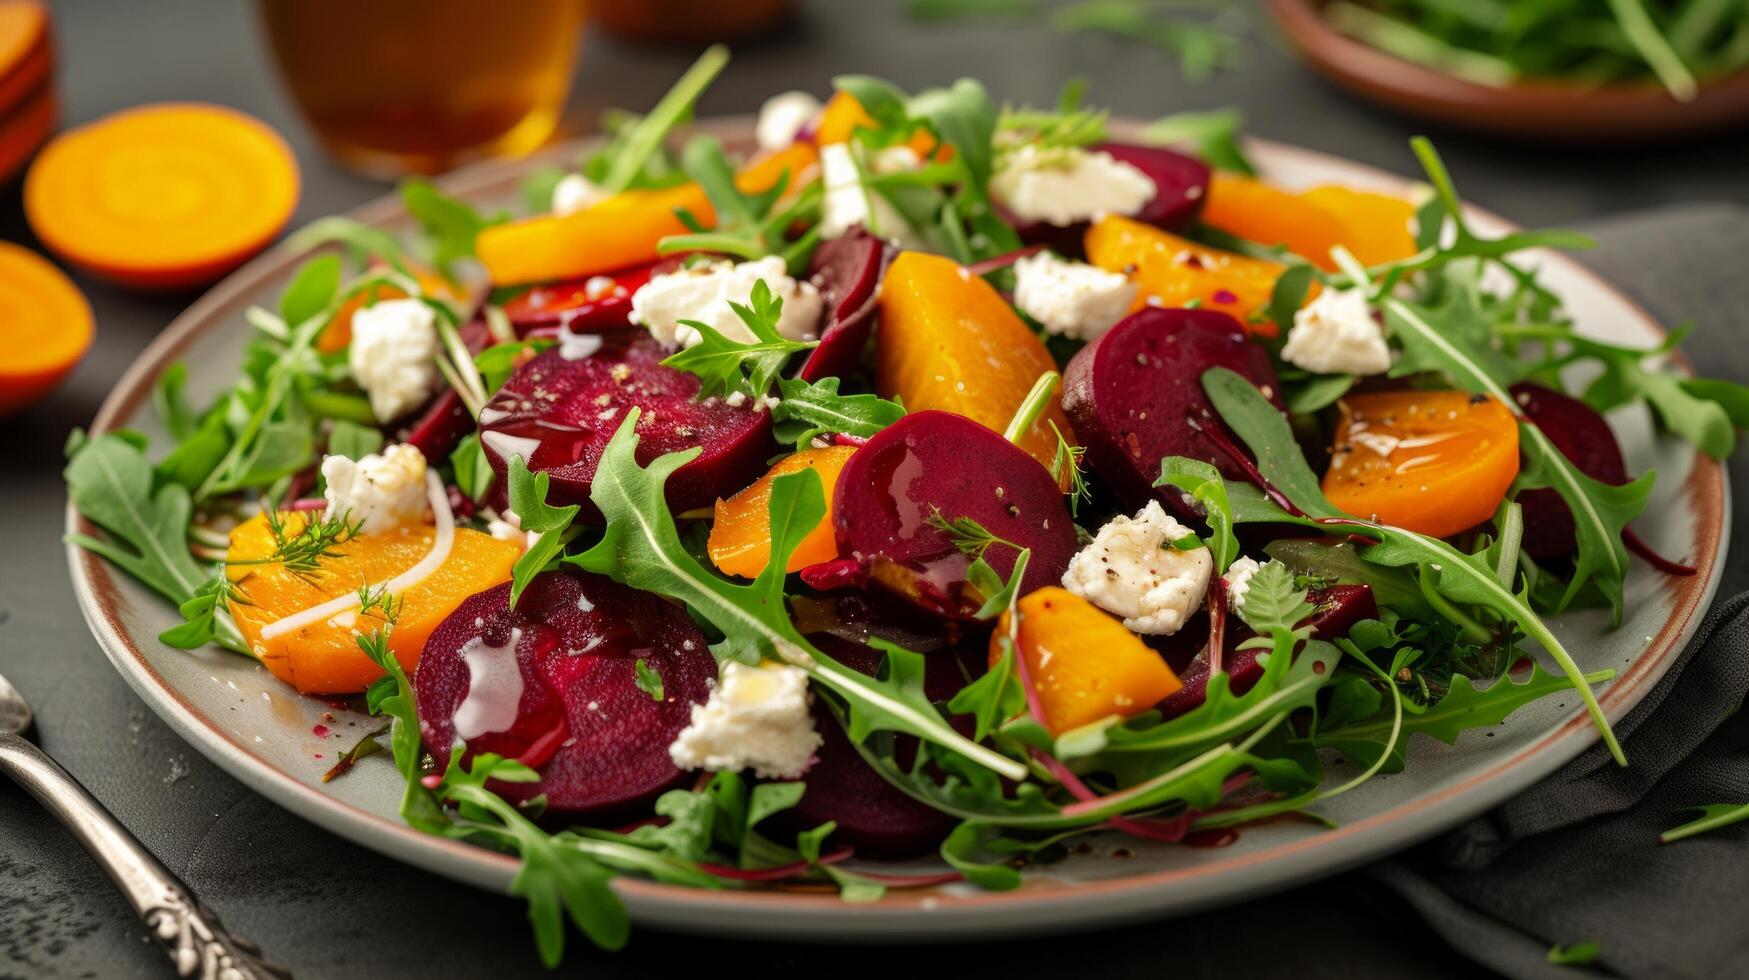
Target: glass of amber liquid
x,y
393,87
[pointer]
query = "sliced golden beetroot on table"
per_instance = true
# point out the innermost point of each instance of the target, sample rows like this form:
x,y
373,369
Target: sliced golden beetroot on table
x,y
949,341
45,327
936,463
1437,462
740,541
1377,228
1136,396
1584,437
1174,271
554,684
558,413
847,271
1083,663
620,232
1253,210
163,196
324,658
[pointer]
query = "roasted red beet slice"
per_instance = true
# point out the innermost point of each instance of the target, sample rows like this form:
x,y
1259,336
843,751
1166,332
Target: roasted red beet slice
x,y
599,742
1582,436
937,462
584,305
847,271
445,421
1181,184
1338,608
1135,395
873,816
558,414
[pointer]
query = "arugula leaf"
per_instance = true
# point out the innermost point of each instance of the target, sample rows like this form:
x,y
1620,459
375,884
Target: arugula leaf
x,y
1340,562
1451,340
311,289
643,139
817,409
962,849
110,484
1202,481
352,440
1266,432
528,500
1214,134
641,547
1464,707
1465,578
473,475
1712,817
497,362
725,365
202,614
171,406
451,226
748,226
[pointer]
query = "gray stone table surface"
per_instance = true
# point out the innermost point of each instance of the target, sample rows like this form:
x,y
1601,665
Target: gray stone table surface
x,y
328,908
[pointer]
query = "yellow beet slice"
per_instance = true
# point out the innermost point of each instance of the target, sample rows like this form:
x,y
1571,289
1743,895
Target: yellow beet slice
x,y
1085,665
324,658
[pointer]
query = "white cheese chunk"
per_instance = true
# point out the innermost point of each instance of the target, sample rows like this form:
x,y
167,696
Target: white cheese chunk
x,y
394,355
575,192
848,203
757,718
782,117
1238,579
703,293
1073,299
384,490
1064,185
1336,334
1132,570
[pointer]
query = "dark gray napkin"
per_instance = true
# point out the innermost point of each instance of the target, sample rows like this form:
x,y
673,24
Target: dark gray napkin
x,y
1578,857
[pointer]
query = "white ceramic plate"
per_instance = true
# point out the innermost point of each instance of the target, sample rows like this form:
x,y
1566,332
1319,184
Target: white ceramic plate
x,y
263,733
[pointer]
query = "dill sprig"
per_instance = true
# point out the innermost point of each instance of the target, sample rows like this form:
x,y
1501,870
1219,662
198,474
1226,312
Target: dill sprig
x,y
970,537
1067,458
302,553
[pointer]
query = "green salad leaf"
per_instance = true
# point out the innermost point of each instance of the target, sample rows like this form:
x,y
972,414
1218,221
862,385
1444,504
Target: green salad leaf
x,y
806,410
528,501
726,366
641,547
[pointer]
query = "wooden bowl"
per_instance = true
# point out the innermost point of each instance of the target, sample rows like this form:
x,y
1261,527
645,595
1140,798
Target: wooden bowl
x,y
1542,110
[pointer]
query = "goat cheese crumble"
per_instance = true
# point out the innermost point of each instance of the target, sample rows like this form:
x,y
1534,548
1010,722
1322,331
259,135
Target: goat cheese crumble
x,y
848,203
703,293
1064,185
1073,299
757,718
1336,334
575,192
783,117
1132,570
1238,579
384,490
393,356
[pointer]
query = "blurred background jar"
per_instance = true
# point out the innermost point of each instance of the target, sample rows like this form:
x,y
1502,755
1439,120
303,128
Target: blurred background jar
x,y
419,86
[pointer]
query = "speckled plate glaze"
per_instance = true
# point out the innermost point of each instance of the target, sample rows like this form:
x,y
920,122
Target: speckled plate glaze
x,y
263,733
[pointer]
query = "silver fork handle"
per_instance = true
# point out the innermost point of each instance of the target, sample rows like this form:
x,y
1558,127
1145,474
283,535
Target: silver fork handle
x,y
198,945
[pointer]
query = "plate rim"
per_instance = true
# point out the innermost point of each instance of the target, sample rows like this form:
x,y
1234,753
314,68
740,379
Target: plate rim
x,y
928,914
